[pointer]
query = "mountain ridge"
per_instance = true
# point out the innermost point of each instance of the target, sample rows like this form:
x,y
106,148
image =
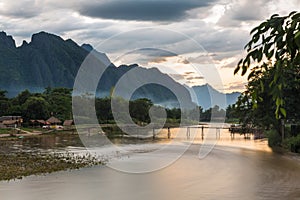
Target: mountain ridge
x,y
50,61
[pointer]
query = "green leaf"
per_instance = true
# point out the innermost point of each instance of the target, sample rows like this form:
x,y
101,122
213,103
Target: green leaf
x,y
273,16
255,38
236,69
270,54
244,70
277,113
255,29
254,106
278,102
296,16
292,13
297,39
251,75
262,86
259,55
283,112
280,87
267,47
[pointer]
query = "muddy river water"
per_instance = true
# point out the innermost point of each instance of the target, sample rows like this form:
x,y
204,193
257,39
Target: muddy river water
x,y
234,169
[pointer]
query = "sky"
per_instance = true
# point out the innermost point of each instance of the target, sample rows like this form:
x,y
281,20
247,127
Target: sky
x,y
194,41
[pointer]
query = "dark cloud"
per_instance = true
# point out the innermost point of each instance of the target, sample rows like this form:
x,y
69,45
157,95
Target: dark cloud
x,y
154,52
227,40
20,13
21,9
152,55
250,10
245,11
142,10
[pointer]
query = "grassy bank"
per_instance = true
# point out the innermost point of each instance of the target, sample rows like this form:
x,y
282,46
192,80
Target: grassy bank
x,y
21,164
7,131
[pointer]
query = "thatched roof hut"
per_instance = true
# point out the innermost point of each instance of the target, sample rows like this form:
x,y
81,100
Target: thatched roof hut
x,y
54,120
68,122
39,121
10,122
6,118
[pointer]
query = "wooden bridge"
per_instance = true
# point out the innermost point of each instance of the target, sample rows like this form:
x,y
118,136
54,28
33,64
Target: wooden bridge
x,y
246,131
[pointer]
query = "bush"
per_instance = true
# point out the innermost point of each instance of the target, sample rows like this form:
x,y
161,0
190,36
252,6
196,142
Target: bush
x,y
274,139
293,144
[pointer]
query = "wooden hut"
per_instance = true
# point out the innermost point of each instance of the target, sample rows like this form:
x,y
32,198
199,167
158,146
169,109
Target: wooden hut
x,y
38,122
68,124
11,121
53,121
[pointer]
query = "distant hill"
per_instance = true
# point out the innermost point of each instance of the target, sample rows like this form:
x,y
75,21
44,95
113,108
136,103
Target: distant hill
x,y
158,94
50,61
47,60
207,96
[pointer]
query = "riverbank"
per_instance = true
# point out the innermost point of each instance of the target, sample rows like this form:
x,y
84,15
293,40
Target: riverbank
x,y
43,153
20,164
226,173
36,153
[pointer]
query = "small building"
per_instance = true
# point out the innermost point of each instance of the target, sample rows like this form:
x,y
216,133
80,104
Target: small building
x,y
38,122
68,123
3,118
53,121
11,121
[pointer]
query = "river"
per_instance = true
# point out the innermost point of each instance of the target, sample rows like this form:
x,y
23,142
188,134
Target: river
x,y
234,169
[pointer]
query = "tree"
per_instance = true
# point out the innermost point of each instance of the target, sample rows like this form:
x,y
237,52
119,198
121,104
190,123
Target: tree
x,y
103,109
60,102
36,108
231,112
4,103
3,94
139,109
22,97
273,58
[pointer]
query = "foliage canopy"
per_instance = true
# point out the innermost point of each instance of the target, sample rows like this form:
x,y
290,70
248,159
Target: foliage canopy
x,y
273,63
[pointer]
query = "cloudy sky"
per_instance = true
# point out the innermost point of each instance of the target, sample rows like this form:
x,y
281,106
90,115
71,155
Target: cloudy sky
x,y
195,41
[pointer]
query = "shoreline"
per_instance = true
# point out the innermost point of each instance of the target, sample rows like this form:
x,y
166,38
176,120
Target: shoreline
x,y
22,164
10,170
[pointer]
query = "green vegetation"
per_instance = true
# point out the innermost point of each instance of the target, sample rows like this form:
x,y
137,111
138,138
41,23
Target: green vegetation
x,y
6,131
54,101
273,62
58,102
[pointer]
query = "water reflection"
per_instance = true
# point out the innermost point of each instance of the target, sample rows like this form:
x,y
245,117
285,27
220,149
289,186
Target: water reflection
x,y
235,169
44,142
